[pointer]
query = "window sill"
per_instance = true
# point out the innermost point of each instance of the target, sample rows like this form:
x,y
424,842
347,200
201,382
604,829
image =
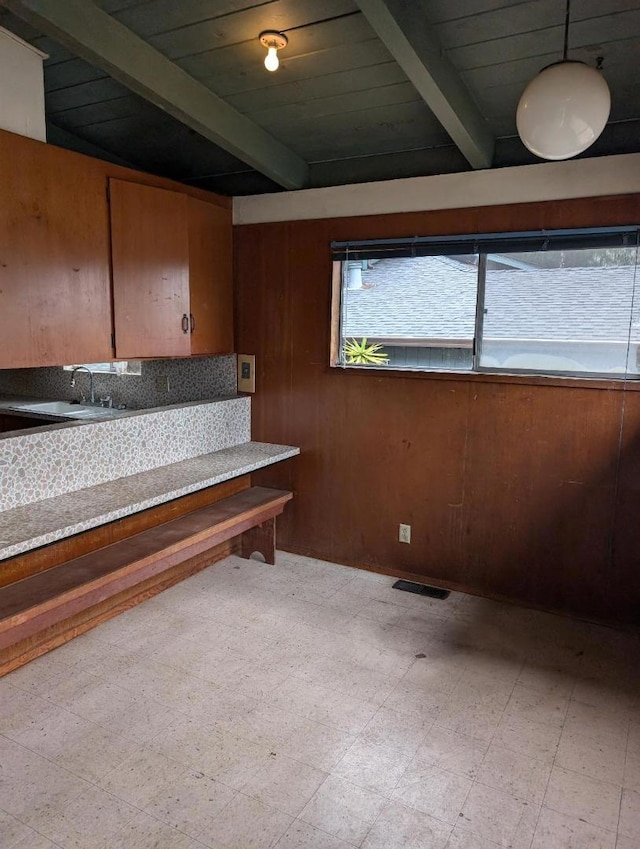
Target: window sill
x,y
618,384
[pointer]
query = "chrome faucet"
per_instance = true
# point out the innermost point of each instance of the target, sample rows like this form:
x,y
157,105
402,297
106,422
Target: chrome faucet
x,y
92,399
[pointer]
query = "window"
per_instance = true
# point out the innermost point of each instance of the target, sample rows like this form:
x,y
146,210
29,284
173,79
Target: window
x,y
123,367
559,302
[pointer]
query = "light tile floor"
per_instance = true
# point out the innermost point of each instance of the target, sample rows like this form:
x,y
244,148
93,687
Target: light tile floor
x,y
311,706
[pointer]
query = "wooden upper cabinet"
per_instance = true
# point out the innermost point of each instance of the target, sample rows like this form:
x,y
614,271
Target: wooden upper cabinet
x,y
150,268
55,294
172,275
210,278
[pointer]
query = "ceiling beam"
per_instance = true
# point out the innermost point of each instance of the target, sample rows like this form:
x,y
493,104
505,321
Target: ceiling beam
x,y
410,39
100,39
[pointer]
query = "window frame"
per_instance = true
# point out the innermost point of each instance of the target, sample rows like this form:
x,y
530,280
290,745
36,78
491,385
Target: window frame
x,y
476,240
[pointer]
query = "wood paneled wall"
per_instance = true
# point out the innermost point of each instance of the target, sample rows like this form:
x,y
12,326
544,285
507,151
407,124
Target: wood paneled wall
x,y
525,490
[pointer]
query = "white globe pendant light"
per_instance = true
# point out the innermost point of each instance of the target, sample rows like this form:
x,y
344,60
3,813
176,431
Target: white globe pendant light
x,y
564,109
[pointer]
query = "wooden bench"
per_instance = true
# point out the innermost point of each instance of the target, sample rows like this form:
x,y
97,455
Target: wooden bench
x,y
39,603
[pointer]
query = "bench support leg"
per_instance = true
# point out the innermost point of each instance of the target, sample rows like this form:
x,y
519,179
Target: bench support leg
x,y
262,538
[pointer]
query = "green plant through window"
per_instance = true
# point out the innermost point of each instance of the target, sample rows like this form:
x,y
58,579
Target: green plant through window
x,y
359,353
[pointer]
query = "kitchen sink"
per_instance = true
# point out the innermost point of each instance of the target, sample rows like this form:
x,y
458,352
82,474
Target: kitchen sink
x,y
67,410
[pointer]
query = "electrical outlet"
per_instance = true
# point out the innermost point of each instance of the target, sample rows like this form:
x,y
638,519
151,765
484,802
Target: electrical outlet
x,y
162,382
404,533
246,373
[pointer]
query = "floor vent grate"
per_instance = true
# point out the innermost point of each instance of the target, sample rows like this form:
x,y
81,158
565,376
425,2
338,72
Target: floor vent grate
x,y
420,589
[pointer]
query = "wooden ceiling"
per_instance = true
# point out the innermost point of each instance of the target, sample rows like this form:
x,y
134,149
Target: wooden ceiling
x,y
340,100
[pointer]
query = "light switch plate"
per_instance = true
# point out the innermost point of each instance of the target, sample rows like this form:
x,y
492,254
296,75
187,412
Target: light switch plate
x,y
162,383
246,373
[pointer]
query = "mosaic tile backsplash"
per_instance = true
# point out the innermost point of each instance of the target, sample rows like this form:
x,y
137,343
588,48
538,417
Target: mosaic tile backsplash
x,y
57,461
189,379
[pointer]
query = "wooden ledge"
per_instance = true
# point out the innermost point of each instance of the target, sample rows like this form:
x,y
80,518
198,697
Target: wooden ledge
x,y
35,603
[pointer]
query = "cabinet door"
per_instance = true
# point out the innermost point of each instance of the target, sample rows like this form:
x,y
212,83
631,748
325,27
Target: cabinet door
x,y
150,256
210,278
55,298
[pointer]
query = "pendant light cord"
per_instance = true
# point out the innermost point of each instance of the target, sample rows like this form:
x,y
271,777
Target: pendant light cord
x,y
566,31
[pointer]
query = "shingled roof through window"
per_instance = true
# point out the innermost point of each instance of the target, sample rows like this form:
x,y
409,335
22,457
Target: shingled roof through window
x,y
435,298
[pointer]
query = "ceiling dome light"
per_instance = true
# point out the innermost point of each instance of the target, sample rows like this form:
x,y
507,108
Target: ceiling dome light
x,y
565,108
273,41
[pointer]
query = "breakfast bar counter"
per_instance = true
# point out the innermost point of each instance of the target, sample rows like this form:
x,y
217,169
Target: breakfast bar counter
x,y
41,522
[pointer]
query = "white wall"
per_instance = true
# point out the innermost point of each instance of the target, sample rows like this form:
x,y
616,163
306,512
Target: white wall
x,y
21,87
605,175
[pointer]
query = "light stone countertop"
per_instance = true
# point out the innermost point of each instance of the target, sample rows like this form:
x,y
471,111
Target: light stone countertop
x,y
42,522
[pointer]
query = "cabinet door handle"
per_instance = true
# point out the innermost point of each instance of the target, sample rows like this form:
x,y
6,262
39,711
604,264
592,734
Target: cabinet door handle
x,y
193,322
185,323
